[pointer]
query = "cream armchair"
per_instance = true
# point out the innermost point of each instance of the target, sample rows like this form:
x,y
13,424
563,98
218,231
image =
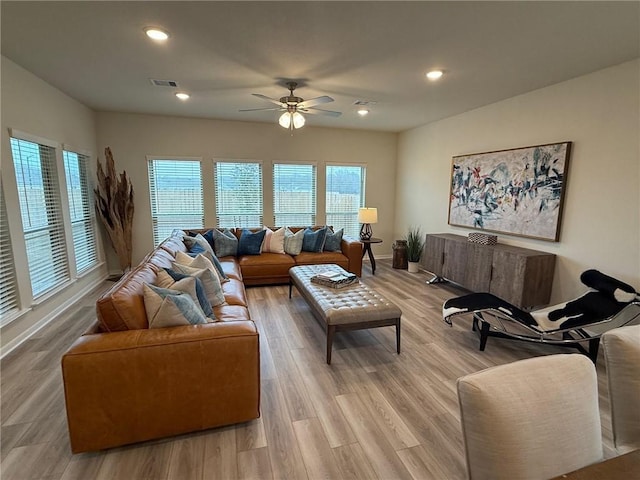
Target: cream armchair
x,y
622,358
531,420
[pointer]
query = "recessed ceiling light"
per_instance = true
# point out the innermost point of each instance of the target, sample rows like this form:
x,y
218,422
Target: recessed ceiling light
x,y
363,111
183,96
434,74
156,33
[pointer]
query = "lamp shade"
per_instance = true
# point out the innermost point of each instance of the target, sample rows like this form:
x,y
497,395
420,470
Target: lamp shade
x,y
287,119
368,215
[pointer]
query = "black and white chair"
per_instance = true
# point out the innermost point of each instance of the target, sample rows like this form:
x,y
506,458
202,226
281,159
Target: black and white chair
x,y
608,304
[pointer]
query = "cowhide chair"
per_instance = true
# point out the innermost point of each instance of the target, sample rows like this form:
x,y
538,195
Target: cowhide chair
x,y
608,304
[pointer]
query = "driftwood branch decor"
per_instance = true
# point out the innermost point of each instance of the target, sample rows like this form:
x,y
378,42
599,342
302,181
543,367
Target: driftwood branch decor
x,y
114,205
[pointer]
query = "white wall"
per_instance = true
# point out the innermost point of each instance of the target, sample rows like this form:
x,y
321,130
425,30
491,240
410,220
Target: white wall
x,y
132,137
599,113
36,108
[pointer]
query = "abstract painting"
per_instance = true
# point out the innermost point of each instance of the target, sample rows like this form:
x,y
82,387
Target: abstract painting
x,y
517,192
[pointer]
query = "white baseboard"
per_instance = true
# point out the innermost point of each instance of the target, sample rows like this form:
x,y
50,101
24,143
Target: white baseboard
x,y
43,322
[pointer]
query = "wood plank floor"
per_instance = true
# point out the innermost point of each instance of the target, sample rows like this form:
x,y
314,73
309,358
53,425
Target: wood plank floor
x,y
371,414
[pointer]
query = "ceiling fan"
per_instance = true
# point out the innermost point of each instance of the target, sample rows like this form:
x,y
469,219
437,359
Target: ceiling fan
x,y
293,107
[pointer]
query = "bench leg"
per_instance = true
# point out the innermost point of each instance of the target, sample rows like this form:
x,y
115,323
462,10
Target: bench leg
x,y
290,288
331,331
398,336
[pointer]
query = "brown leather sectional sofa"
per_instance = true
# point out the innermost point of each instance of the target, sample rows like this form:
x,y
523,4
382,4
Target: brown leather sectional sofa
x,y
126,383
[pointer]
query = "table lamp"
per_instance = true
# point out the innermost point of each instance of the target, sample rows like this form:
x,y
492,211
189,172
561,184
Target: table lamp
x,y
367,216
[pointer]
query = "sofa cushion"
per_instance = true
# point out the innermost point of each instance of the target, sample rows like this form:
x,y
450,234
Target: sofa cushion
x,y
225,243
122,307
293,241
231,313
311,258
273,241
313,241
173,280
266,265
234,293
231,268
333,241
171,308
250,242
210,280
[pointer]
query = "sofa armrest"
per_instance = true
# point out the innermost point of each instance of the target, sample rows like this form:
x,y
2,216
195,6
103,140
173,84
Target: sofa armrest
x,y
352,249
136,385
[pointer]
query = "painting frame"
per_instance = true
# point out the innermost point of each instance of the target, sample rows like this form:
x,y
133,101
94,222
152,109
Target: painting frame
x,y
517,191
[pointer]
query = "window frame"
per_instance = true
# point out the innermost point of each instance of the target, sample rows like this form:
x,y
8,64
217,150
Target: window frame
x,y
313,215
238,220
58,210
88,219
354,231
156,227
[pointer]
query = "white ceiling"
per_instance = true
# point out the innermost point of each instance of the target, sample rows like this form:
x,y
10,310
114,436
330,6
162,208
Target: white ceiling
x,y
221,52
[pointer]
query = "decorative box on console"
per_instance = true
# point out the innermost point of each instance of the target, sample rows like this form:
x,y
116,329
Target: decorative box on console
x,y
483,238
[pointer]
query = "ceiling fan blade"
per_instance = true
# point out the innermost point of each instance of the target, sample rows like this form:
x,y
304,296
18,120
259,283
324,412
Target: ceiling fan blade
x,y
319,111
268,99
260,109
312,102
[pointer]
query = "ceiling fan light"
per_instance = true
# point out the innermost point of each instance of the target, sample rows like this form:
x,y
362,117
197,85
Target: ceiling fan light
x,y
363,111
285,120
298,120
434,74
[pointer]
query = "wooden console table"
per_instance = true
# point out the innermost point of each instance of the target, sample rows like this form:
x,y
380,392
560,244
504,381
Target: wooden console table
x,y
520,276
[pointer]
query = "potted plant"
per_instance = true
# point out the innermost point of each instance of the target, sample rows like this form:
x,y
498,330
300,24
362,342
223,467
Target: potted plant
x,y
415,247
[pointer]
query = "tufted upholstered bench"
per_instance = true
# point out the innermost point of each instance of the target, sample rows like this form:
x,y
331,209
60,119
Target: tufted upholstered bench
x,y
350,308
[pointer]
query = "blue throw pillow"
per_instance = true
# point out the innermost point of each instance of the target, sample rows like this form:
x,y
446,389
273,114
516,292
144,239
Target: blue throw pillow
x,y
314,241
208,236
333,241
225,243
200,292
251,243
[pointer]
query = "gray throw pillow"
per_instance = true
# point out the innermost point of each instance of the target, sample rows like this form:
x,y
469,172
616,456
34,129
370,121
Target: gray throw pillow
x,y
225,243
293,242
333,241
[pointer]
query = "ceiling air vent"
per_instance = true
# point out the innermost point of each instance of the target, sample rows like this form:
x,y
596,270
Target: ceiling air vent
x,y
163,83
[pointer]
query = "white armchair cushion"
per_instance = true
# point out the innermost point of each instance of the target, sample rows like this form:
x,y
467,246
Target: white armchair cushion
x,y
531,419
622,357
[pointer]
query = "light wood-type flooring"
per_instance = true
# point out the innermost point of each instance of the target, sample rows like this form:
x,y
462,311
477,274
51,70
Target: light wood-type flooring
x,y
371,414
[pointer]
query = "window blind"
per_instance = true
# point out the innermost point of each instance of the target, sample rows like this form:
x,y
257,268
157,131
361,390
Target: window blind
x,y
41,211
238,194
81,210
294,194
175,187
8,287
344,196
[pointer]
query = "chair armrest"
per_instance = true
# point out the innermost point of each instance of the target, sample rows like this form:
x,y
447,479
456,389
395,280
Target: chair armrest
x,y
352,249
136,385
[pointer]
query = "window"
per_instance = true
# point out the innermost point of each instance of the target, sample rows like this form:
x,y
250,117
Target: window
x,y
81,210
175,187
345,195
8,288
238,194
40,208
294,194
